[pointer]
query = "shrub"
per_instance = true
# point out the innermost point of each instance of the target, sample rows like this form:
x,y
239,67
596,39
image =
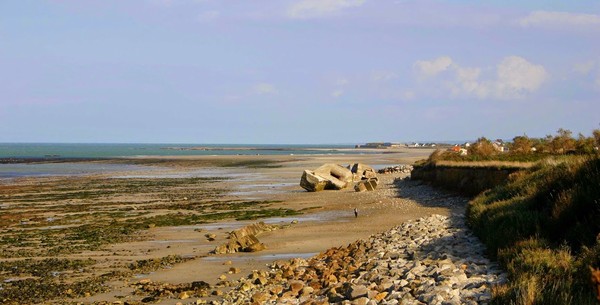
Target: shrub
x,y
483,148
521,145
585,145
596,136
542,227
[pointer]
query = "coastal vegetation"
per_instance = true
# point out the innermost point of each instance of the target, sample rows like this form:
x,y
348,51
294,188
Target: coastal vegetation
x,y
522,149
543,227
541,222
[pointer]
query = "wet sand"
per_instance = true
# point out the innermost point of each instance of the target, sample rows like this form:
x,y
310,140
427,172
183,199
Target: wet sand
x,y
327,220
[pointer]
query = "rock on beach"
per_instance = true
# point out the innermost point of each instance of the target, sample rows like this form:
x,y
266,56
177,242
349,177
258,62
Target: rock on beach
x,y
431,260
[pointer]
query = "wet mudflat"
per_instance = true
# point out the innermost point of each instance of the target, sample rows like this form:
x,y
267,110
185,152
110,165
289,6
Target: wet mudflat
x,y
92,238
56,231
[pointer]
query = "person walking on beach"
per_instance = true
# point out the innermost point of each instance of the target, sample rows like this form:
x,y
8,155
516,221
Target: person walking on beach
x,y
355,213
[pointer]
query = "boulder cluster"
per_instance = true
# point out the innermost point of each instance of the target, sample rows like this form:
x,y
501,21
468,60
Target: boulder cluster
x,y
332,176
399,169
432,260
245,240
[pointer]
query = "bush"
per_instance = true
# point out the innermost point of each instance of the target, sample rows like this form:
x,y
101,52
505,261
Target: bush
x,y
525,149
521,145
482,148
542,227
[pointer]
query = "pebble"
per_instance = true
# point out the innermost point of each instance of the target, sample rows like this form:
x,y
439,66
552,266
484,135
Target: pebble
x,y
431,260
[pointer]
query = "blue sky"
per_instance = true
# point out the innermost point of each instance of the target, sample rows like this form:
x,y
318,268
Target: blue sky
x,y
296,71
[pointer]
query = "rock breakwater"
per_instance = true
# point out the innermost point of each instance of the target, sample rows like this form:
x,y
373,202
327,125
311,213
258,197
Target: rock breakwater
x,y
403,169
432,260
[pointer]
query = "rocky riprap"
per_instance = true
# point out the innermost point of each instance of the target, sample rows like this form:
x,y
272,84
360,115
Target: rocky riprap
x,y
432,260
404,169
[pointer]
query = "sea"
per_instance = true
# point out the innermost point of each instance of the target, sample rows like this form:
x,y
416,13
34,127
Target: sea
x,y
95,150
40,159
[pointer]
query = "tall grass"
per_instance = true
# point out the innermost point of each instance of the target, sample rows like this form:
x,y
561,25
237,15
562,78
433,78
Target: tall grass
x,y
449,158
543,228
490,164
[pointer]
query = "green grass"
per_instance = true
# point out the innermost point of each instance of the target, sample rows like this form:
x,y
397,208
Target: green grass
x,y
542,227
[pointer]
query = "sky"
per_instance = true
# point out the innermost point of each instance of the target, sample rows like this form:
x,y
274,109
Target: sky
x,y
296,71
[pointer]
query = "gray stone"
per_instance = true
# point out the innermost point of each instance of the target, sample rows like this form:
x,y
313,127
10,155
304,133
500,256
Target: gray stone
x,y
432,258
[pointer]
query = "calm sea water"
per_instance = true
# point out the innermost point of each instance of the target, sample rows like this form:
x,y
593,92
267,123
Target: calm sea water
x,y
56,151
45,150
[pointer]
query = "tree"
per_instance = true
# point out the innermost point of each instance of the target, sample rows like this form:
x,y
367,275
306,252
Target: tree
x,y
483,147
585,145
521,145
563,142
596,134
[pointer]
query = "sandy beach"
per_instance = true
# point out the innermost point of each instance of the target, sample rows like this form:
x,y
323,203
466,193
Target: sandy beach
x,y
325,219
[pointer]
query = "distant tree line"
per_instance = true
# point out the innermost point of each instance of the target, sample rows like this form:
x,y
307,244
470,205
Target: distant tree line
x,y
562,143
524,148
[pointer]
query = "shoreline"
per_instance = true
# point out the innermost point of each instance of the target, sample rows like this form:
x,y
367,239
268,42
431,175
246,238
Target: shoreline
x,y
319,151
278,188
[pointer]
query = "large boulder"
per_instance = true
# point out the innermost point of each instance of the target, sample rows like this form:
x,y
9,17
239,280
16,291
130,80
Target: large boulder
x,y
364,176
244,239
312,182
328,176
362,171
366,185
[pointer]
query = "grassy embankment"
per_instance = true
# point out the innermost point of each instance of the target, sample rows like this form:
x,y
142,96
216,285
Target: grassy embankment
x,y
542,226
468,176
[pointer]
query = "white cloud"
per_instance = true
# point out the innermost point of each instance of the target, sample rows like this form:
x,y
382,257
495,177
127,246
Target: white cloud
x,y
589,69
383,76
264,88
560,19
168,3
409,95
341,82
585,67
515,77
434,67
337,93
467,81
208,16
319,8
162,2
